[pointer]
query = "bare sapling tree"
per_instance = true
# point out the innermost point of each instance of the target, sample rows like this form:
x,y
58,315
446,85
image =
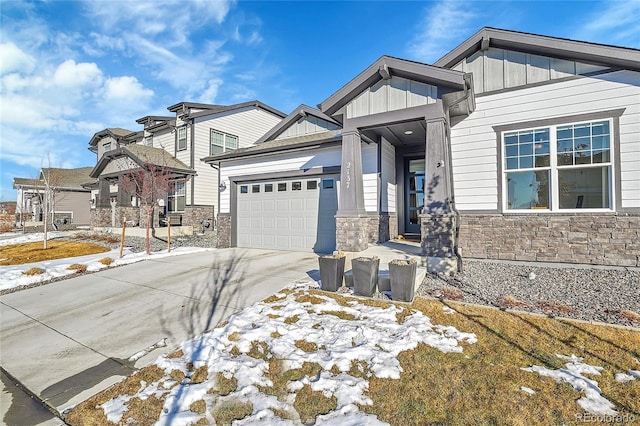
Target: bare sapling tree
x,y
149,184
51,181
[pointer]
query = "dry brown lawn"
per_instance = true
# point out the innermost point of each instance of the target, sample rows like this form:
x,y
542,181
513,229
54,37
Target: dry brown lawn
x,y
480,386
18,254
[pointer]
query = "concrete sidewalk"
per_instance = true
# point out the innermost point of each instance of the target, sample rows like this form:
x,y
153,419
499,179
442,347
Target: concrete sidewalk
x,y
68,340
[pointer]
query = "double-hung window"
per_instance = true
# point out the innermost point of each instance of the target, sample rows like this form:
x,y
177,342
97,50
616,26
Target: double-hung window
x,y
176,197
221,142
558,168
148,141
182,139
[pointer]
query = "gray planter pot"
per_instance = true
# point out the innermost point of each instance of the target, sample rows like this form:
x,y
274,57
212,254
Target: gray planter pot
x,y
365,275
403,280
331,272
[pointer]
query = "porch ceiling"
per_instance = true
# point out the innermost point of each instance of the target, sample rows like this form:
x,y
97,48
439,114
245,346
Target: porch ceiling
x,y
399,134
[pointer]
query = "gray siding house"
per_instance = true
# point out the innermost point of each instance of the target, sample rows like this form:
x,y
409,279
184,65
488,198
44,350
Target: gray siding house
x,y
512,146
69,198
178,141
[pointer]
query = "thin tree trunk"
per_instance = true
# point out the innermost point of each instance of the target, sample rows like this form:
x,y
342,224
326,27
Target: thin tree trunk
x,y
147,245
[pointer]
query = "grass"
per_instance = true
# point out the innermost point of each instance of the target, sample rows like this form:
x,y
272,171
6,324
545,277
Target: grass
x,y
34,271
18,254
228,411
106,261
78,267
480,386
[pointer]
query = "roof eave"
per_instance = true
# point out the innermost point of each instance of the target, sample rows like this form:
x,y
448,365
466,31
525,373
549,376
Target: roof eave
x,y
622,57
390,66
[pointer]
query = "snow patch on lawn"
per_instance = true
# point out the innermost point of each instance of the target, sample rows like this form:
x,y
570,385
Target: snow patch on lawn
x,y
593,401
344,336
13,276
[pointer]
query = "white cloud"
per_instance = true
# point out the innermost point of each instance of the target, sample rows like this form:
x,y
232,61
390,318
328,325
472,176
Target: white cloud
x,y
126,89
70,74
209,94
14,59
443,24
615,22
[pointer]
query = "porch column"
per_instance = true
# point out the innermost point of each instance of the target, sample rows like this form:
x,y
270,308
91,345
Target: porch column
x,y
438,221
352,223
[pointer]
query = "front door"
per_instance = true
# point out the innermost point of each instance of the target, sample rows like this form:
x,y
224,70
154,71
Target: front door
x,y
413,194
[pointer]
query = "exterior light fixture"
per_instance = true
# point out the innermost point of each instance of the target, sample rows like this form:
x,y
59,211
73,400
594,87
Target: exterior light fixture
x,y
222,187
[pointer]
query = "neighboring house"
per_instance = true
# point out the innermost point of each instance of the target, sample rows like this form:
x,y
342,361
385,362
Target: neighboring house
x,y
512,146
70,200
194,131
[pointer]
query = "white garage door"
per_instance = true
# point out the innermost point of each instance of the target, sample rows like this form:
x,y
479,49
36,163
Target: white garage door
x,y
288,214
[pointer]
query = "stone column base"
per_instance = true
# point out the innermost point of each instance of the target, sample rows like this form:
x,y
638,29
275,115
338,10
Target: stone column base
x,y
352,233
438,242
224,231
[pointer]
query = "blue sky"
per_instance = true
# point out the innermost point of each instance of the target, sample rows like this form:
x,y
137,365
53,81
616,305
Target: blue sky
x,y
71,69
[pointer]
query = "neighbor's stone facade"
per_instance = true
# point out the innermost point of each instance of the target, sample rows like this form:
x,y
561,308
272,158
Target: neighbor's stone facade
x,y
224,230
100,217
193,215
352,233
598,239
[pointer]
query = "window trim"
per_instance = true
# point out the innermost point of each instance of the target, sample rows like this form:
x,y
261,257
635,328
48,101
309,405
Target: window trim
x,y
173,193
615,193
224,135
148,138
178,138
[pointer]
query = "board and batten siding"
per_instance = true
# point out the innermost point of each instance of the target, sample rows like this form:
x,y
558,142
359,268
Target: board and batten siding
x,y
474,145
306,126
496,69
391,95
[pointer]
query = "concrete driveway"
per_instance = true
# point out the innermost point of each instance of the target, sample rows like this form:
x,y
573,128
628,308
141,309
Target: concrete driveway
x,y
68,340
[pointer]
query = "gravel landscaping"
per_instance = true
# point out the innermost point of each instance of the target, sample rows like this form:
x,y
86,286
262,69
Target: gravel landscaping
x,y
609,295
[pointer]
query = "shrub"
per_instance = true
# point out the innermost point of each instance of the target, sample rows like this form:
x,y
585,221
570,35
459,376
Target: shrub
x,y
106,261
78,267
34,271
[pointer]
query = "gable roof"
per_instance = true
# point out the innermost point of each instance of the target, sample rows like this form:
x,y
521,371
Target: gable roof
x,y
384,68
69,179
582,51
217,109
148,119
298,113
143,155
115,132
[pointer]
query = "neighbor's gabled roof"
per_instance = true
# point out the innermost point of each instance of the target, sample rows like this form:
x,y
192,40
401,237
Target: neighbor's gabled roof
x,y
383,68
298,113
143,155
115,132
69,179
217,109
602,54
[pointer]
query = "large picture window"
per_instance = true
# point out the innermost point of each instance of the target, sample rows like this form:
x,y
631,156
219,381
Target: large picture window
x,y
222,142
558,168
176,197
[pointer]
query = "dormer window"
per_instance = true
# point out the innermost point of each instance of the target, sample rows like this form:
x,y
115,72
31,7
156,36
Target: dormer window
x,y
106,146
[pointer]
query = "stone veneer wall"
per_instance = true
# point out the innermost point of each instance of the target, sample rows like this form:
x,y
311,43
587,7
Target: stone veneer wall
x,y
599,239
382,228
352,233
101,216
438,235
224,230
194,214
